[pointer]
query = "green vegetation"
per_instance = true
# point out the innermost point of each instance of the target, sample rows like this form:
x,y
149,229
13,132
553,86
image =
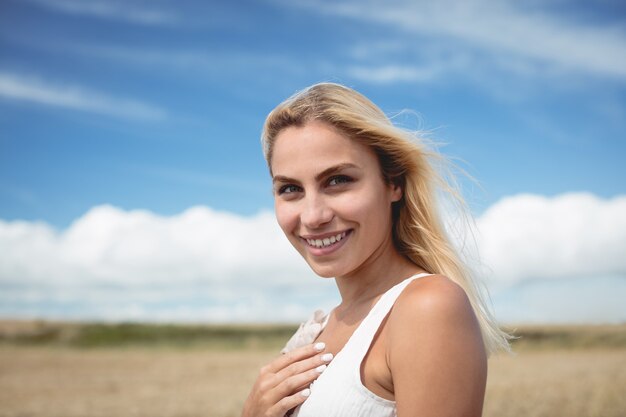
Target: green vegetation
x,y
93,335
569,337
259,337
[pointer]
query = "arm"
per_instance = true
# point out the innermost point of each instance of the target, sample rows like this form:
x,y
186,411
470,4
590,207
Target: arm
x,y
435,352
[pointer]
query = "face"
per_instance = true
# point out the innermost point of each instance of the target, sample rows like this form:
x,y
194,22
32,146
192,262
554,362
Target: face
x,y
330,198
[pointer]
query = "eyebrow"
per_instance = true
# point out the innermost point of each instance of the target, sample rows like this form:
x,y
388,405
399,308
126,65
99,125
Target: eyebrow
x,y
327,172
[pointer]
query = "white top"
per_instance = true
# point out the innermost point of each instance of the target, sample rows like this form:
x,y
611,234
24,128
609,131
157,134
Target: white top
x,y
339,391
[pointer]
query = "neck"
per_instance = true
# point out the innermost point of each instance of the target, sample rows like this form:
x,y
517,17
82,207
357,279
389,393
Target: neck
x,y
361,288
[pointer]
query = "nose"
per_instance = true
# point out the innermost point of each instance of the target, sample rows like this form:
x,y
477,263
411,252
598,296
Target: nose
x,y
316,212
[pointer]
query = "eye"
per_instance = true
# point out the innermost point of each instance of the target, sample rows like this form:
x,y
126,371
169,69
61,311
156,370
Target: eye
x,y
288,189
339,179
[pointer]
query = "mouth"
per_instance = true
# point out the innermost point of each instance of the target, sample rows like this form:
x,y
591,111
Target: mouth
x,y
327,241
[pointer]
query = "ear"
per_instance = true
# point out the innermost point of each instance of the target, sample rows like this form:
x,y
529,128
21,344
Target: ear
x,y
396,192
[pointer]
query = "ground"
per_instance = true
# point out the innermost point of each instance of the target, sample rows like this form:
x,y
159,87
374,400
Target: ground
x,y
56,380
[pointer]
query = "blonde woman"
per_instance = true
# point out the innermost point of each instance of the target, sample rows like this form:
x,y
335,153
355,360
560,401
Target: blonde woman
x,y
355,196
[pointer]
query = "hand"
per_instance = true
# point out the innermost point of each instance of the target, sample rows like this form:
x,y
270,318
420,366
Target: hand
x,y
282,383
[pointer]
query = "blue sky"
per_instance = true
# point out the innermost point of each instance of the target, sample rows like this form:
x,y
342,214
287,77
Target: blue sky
x,y
158,106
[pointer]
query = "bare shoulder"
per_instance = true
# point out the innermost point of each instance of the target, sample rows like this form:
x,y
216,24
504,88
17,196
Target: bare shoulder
x,y
432,299
435,347
434,316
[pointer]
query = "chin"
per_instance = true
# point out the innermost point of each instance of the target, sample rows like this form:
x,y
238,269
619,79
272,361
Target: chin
x,y
325,275
321,271
325,271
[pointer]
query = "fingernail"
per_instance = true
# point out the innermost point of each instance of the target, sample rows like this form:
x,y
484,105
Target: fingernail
x,y
305,392
320,346
327,357
320,368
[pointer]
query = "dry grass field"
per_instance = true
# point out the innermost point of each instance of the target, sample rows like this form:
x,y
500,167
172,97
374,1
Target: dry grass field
x,y
572,372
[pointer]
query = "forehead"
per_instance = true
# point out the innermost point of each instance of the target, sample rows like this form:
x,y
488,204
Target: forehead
x,y
315,147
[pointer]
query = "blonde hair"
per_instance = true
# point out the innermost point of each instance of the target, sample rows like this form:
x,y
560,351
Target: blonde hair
x,y
405,161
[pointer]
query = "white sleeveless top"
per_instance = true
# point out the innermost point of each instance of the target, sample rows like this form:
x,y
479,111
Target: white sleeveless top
x,y
339,391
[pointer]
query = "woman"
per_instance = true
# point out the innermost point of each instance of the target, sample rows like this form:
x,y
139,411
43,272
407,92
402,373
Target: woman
x,y
355,196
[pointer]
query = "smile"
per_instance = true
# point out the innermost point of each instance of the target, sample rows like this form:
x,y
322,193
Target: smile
x,y
327,241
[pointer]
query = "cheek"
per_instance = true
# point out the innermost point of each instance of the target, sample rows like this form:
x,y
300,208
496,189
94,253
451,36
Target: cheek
x,y
286,216
358,210
371,210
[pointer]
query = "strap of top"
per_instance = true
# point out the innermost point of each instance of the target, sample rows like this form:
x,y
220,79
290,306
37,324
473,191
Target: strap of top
x,y
360,342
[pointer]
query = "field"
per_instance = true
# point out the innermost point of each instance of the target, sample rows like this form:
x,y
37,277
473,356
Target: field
x,y
89,370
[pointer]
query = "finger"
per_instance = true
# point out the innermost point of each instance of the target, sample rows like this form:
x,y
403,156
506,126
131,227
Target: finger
x,y
294,356
287,403
295,383
304,365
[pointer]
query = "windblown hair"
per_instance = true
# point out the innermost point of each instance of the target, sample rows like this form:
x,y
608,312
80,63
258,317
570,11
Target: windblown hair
x,y
406,161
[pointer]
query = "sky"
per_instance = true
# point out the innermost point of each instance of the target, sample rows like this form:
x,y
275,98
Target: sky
x,y
133,186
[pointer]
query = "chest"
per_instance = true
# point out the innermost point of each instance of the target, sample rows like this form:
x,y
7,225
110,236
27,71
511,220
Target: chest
x,y
375,373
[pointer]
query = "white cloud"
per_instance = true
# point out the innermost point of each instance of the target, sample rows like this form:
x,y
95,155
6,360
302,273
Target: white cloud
x,y
74,97
208,265
134,12
137,248
567,236
514,35
198,264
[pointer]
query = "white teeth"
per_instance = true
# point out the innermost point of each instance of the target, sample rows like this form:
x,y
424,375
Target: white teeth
x,y
322,243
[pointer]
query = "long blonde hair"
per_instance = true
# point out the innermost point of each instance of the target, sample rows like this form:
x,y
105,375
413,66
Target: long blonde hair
x,y
405,161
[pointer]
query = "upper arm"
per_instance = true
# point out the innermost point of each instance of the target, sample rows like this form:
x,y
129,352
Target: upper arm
x,y
435,351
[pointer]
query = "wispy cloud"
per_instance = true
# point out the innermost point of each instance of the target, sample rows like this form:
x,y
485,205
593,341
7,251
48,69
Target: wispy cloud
x,y
190,60
129,11
508,34
393,73
74,97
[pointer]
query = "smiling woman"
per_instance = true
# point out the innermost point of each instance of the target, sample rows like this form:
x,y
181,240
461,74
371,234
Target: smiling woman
x,y
329,187
355,196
